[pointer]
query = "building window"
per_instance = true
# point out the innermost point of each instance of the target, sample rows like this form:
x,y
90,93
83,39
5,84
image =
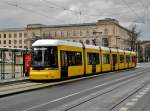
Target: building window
x,y
105,42
15,35
20,34
20,46
80,41
0,35
50,35
106,59
4,35
9,41
15,41
106,31
87,33
0,41
9,35
4,41
87,42
68,34
55,34
74,33
74,40
94,41
33,34
25,34
81,33
62,34
20,41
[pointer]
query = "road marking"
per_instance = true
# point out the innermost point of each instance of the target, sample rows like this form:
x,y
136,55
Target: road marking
x,y
130,104
145,90
43,104
124,109
139,96
142,93
135,99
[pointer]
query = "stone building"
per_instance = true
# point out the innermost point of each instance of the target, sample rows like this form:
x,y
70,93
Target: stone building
x,y
145,50
107,32
13,38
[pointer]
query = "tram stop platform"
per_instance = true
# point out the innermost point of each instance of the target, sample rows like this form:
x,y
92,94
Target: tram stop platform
x,y
15,80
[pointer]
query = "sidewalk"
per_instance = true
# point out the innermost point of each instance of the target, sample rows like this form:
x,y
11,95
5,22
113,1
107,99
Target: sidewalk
x,y
8,81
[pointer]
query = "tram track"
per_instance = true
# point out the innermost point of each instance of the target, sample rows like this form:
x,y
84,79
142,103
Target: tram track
x,y
105,89
114,85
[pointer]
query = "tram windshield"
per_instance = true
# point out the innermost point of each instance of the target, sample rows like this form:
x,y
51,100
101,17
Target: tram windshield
x,y
44,57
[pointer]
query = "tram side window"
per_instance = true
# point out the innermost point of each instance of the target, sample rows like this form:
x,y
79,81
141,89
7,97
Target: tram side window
x,y
106,59
121,58
128,59
93,58
78,58
74,58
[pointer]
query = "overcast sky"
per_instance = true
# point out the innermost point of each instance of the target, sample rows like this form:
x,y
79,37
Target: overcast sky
x,y
19,13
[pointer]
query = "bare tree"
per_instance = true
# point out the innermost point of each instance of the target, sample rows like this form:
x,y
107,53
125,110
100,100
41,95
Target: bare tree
x,y
133,37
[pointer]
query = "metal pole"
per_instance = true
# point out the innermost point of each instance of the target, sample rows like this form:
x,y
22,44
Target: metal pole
x,y
145,55
1,63
137,52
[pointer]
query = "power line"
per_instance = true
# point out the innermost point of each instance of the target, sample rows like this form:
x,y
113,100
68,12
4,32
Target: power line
x,y
141,2
28,10
61,7
131,9
23,8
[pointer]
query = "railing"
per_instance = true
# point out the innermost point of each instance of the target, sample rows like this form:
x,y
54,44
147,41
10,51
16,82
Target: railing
x,y
12,63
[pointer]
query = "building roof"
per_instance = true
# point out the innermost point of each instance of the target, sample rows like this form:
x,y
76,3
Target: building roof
x,y
12,29
71,25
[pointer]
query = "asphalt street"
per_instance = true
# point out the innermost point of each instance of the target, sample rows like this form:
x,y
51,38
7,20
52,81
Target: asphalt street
x,y
103,92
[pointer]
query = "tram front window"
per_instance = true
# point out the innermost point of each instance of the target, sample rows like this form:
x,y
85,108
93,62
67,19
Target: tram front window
x,y
44,57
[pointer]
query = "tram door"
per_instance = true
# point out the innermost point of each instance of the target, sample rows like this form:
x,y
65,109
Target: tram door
x,y
94,64
114,61
64,64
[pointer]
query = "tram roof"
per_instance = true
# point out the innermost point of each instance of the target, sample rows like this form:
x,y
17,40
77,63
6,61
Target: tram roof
x,y
105,48
127,51
55,42
92,46
119,50
113,49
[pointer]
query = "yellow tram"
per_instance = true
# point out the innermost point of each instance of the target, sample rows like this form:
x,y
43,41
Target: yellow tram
x,y
59,59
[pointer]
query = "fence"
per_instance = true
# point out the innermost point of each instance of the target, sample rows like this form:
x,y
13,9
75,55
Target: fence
x,y
12,63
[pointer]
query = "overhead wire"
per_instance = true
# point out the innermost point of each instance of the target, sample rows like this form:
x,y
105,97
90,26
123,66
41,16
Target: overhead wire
x,y
15,4
60,7
132,10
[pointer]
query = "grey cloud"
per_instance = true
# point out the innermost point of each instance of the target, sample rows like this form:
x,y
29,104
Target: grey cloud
x,y
42,11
